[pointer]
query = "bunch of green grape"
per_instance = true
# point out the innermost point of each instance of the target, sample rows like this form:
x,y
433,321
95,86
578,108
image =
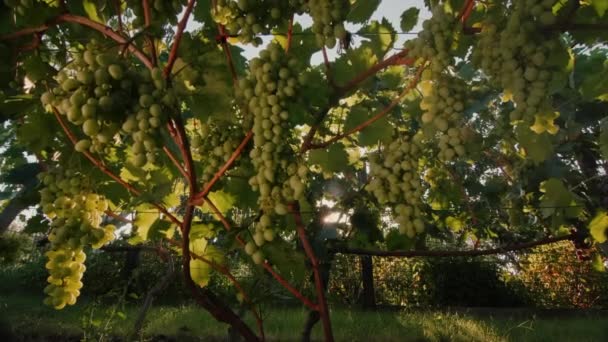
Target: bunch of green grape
x,y
213,143
160,11
395,181
443,105
76,214
263,232
435,42
249,18
20,7
515,52
103,95
66,267
328,20
273,81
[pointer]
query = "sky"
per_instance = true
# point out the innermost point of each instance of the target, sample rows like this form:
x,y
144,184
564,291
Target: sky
x,y
389,9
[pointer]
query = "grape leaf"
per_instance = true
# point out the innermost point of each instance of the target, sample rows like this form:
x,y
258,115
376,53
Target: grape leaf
x,y
353,62
244,196
145,217
409,18
362,10
557,202
381,36
537,147
600,6
91,10
199,269
223,201
281,255
396,241
595,85
598,226
202,12
379,131
332,159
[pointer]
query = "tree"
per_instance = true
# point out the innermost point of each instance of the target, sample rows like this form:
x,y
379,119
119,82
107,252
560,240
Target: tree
x,y
488,125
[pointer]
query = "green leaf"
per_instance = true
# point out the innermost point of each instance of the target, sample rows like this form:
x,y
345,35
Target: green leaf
x,y
537,147
244,196
223,201
202,230
381,36
354,62
362,10
595,85
332,159
396,241
379,131
200,271
91,9
557,202
598,226
290,264
597,262
149,225
409,18
600,6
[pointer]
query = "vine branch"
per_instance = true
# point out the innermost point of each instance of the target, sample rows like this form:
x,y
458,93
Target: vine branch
x,y
371,120
449,253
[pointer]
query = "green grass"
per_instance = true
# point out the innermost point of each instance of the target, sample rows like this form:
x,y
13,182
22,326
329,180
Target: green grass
x,y
27,317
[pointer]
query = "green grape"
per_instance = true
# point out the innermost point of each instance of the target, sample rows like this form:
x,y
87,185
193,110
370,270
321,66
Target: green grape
x,y
443,105
249,18
76,214
397,184
117,89
213,143
513,53
328,20
279,176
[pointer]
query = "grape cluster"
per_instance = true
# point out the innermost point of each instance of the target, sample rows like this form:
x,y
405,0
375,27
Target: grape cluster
x,y
100,93
396,182
263,233
20,7
271,83
160,10
328,20
435,41
249,18
443,103
76,213
214,142
66,267
514,54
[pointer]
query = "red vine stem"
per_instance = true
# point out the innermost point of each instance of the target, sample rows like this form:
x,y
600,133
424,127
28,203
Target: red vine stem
x,y
175,161
181,26
373,119
466,10
471,253
101,28
289,35
198,198
226,272
320,289
398,58
117,6
107,171
328,68
265,264
146,7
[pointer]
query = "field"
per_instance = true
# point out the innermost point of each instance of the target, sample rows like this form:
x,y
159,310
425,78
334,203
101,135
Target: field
x,y
24,318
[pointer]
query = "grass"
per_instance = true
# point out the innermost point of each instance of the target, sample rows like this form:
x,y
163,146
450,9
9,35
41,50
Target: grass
x,y
27,318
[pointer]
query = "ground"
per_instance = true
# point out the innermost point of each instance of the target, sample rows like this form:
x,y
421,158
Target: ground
x,y
25,318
